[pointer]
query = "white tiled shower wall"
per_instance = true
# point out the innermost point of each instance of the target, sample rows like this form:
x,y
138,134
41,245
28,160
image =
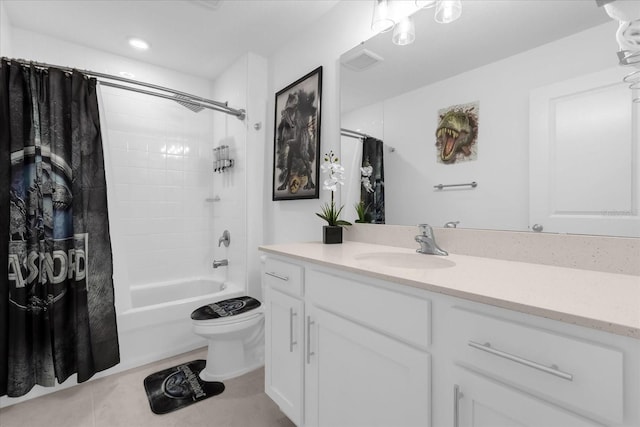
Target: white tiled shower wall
x,y
160,154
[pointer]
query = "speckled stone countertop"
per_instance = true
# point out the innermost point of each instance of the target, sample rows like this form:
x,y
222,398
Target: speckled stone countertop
x,y
605,301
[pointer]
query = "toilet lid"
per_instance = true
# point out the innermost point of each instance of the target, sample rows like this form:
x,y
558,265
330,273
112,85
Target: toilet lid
x,y
232,309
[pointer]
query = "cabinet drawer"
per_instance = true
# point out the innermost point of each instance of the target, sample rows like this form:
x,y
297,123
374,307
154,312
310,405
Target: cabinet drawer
x,y
283,276
403,316
580,375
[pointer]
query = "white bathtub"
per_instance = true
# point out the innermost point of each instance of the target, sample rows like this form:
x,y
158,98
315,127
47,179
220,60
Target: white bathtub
x,y
171,292
159,323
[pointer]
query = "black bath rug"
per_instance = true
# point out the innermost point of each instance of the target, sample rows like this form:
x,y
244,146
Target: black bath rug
x,y
180,386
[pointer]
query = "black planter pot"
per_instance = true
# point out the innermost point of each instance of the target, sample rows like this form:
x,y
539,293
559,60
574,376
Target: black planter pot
x,y
331,234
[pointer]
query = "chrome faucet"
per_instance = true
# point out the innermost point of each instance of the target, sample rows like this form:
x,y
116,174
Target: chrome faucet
x,y
427,242
226,239
220,263
452,224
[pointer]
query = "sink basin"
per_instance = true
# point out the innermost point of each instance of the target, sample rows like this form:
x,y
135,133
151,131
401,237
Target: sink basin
x,y
404,260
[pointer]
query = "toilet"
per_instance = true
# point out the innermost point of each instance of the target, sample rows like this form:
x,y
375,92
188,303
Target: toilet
x,y
234,329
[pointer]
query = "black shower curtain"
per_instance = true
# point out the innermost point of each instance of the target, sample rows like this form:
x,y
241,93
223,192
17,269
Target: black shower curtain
x,y
57,313
372,155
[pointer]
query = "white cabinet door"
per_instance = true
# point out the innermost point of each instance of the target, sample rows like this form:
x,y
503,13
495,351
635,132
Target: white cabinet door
x,y
283,352
584,149
355,376
481,402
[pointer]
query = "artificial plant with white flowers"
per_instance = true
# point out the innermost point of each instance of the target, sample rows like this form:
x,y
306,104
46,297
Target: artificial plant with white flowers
x,y
330,213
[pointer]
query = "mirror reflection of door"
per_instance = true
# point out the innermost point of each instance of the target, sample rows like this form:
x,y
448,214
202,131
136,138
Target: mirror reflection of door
x,y
583,149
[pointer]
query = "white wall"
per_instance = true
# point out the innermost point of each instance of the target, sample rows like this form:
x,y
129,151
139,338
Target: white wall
x,y
347,24
239,208
5,32
409,122
257,82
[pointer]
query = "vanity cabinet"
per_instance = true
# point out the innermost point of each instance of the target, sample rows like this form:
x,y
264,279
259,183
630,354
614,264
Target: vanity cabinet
x,y
366,362
576,374
344,349
480,401
284,344
337,355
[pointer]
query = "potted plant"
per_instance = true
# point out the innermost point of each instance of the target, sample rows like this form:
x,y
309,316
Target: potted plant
x,y
362,211
332,232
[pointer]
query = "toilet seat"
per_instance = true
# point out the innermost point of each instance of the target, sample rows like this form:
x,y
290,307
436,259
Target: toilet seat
x,y
245,317
228,312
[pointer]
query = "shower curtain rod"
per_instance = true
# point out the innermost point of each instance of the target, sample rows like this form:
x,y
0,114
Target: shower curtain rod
x,y
178,95
353,134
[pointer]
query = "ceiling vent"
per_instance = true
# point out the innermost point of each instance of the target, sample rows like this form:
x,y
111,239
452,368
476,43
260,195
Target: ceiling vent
x,y
360,59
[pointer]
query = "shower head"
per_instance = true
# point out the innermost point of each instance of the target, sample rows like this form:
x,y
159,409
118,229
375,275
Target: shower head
x,y
188,103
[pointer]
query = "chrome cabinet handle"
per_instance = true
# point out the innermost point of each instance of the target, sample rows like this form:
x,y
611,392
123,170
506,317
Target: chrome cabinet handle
x,y
457,395
553,370
292,342
277,276
309,352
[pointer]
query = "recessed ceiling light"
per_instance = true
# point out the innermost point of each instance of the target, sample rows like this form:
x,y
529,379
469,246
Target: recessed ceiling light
x,y
138,43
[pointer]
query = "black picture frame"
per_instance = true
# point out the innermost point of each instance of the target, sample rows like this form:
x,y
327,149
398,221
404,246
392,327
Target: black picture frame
x,y
296,142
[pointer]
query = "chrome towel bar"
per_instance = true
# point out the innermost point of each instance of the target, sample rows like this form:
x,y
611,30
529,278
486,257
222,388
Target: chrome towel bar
x,y
470,184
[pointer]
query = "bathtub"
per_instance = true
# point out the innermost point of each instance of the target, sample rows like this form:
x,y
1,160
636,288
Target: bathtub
x,y
158,324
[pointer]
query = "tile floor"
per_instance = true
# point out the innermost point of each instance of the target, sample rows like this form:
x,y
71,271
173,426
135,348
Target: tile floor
x,y
120,401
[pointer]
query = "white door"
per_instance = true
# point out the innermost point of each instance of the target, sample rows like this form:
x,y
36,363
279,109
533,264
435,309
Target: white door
x,y
584,149
482,402
283,352
358,377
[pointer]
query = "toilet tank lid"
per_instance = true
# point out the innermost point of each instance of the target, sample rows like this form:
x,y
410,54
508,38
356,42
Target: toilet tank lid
x,y
225,308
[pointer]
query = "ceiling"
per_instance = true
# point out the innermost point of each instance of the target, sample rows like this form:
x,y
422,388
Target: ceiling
x,y
487,31
198,37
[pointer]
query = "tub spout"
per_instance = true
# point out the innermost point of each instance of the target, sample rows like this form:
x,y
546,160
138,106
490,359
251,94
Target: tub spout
x,y
220,263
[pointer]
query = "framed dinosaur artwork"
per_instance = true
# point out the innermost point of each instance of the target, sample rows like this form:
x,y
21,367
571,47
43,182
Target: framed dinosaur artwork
x,y
457,133
297,139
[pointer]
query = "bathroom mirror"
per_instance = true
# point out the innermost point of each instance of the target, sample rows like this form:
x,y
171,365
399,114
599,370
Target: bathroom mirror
x,y
557,145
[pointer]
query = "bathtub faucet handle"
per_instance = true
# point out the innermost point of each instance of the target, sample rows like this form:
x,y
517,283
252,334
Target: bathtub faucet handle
x,y
220,263
226,239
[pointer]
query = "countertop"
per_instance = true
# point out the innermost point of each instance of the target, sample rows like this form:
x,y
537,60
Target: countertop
x,y
605,301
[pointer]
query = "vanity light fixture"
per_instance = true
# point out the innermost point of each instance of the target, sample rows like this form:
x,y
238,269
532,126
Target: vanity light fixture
x,y
381,21
397,14
404,32
447,11
138,43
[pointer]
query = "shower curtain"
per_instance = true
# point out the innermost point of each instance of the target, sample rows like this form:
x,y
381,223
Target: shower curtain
x,y
57,314
372,155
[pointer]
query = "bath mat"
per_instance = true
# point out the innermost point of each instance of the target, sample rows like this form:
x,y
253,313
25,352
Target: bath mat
x,y
180,386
